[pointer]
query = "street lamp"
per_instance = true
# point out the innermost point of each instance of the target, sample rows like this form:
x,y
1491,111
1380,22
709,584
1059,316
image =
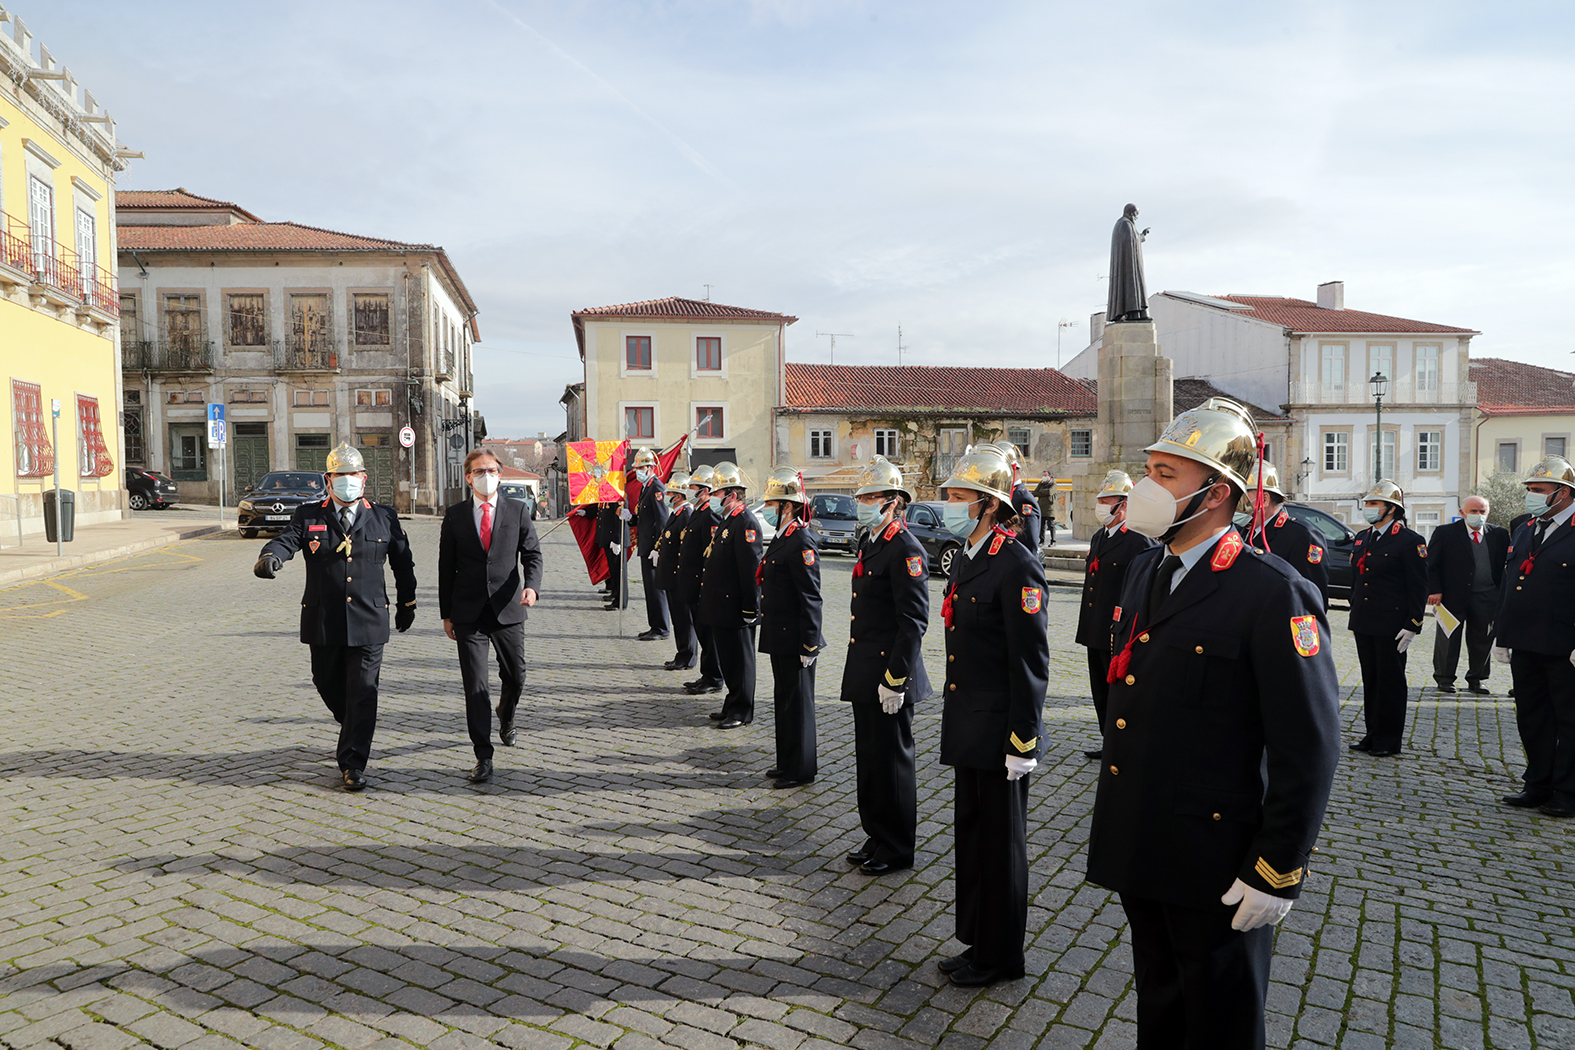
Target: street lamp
x,y
1379,384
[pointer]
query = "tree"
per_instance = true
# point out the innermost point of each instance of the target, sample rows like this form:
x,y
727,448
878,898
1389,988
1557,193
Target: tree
x,y
1505,495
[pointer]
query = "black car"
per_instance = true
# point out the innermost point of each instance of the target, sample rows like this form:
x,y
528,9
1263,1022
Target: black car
x,y
149,488
835,521
927,523
1339,543
271,503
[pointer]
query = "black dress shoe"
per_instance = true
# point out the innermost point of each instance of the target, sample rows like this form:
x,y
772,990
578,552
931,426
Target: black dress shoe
x,y
881,867
1383,752
610,606
731,723
703,687
482,773
953,963
1096,753
1362,745
862,854
353,779
1446,688
1555,808
1479,689
651,636
507,733
674,665
784,783
1526,799
970,977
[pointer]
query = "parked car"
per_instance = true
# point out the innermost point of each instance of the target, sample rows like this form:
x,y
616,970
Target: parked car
x,y
271,503
767,532
149,488
520,494
1339,545
835,520
925,521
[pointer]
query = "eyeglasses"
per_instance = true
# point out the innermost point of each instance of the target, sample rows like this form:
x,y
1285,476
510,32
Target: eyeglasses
x,y
494,471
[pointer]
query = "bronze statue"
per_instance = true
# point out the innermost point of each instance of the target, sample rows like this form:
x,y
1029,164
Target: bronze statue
x,y
1128,300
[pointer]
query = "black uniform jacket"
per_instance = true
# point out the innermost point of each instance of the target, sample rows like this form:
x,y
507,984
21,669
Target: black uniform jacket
x,y
1027,508
1104,571
609,526
1451,563
1298,547
691,553
650,518
887,618
1388,581
1538,611
471,577
669,546
1221,735
346,599
997,656
729,593
790,593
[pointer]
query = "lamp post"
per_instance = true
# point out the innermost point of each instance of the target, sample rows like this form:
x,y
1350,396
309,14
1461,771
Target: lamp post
x,y
1379,384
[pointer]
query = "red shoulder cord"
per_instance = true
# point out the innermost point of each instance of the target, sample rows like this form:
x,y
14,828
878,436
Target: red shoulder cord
x,y
1118,666
1531,561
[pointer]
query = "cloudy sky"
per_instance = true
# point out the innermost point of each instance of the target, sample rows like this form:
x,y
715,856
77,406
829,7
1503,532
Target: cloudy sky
x,y
955,167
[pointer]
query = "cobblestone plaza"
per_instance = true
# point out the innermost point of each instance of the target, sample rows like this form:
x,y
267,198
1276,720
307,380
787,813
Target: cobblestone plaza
x,y
179,867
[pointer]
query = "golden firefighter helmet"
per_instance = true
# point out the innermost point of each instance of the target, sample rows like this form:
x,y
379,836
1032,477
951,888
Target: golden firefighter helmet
x,y
1009,453
984,469
1220,434
1271,480
704,476
345,459
1116,483
644,457
678,480
882,475
785,483
1388,492
728,476
1552,468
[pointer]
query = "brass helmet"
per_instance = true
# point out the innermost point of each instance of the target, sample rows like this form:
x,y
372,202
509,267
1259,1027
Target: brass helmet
x,y
1552,468
785,483
882,475
704,476
1271,480
1116,483
644,457
345,459
678,480
983,468
1219,433
728,476
1009,451
1387,491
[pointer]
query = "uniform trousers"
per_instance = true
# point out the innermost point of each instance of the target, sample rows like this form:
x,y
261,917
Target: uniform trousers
x,y
688,646
735,651
614,575
710,666
1098,668
888,797
794,700
1545,715
346,678
1200,984
1477,627
991,844
507,640
655,597
1383,690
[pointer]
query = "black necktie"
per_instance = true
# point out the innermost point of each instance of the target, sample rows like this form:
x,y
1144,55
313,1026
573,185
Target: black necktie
x,y
1537,534
1160,590
344,519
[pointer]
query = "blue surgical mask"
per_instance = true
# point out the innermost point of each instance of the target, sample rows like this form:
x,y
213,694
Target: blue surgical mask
x,y
769,515
870,514
716,504
1372,514
1242,518
955,517
348,487
1475,520
1537,503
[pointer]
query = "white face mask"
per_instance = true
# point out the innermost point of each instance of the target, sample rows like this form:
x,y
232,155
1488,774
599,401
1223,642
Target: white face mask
x,y
1242,518
1104,512
348,487
1372,514
484,484
1152,510
1475,520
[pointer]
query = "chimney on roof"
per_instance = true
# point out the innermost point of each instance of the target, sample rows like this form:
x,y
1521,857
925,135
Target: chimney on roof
x,y
1331,295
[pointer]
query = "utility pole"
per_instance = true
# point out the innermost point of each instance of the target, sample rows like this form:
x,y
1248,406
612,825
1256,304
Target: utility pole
x,y
834,336
708,293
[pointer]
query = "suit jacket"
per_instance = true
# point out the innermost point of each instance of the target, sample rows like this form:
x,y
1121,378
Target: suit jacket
x,y
1389,581
889,613
1027,508
1451,562
790,607
1538,609
346,599
691,555
1295,544
1222,732
1104,573
669,546
609,526
997,656
650,518
729,591
472,578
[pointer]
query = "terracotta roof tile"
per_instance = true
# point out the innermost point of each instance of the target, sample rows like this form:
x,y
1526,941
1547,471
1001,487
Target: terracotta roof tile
x,y
1299,315
1189,393
677,308
254,236
178,199
1514,388
1009,391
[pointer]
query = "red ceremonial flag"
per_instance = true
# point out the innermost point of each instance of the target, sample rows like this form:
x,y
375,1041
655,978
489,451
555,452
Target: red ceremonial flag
x,y
583,526
596,475
665,461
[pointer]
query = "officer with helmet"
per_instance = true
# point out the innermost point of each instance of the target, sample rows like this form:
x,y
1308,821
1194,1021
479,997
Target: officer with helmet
x,y
790,611
691,569
992,725
665,559
1221,741
346,539
649,519
883,675
730,595
1279,533
1111,551
1536,637
1388,599
1025,505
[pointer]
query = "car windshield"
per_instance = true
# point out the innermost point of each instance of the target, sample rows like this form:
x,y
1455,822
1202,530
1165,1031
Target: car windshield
x,y
290,481
836,508
515,491
1333,531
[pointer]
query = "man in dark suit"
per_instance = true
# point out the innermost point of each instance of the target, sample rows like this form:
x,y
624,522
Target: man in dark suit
x,y
1465,571
489,567
1281,534
344,613
730,597
609,537
666,558
649,520
691,572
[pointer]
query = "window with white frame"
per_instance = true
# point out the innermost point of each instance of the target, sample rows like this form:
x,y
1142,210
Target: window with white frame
x,y
1427,519
708,421
1426,369
1386,464
1508,456
639,422
708,353
1080,443
1429,450
1381,360
1333,366
886,443
1336,452
820,444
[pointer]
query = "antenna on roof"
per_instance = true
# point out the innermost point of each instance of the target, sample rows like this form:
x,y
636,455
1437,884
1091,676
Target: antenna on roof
x,y
708,293
900,347
834,336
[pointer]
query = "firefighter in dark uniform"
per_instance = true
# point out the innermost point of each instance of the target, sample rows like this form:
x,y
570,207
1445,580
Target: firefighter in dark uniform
x,y
1030,527
650,518
691,567
1536,637
347,538
1221,742
730,596
992,725
665,559
790,625
1111,551
883,676
609,537
1388,599
1281,534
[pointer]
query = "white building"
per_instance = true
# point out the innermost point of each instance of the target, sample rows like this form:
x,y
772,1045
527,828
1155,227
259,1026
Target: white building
x,y
1314,359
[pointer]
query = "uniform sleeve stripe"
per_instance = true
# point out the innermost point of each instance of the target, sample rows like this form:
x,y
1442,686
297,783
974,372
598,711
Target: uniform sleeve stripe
x,y
1274,878
895,683
1024,746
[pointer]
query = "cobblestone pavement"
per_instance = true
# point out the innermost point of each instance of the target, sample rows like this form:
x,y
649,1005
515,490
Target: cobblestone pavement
x,y
179,869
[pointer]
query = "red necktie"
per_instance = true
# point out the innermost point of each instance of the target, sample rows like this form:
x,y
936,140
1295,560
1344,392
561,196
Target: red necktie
x,y
486,526
1476,535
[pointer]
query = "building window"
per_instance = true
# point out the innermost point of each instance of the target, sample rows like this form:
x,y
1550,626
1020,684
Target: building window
x,y
708,353
136,448
93,458
35,456
1381,358
130,322
1427,369
41,221
369,320
248,320
310,327
183,322
708,422
886,443
1554,446
1336,452
1019,436
639,422
1268,451
637,352
1429,450
820,444
188,452
383,398
1428,520
185,397
1081,443
1334,366
87,250
248,397
1386,464
310,398
1508,457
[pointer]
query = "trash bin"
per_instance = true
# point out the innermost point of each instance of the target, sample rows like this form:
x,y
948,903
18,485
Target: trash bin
x,y
68,514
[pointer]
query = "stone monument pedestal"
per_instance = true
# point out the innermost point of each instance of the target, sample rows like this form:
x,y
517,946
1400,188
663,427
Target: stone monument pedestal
x,y
1135,405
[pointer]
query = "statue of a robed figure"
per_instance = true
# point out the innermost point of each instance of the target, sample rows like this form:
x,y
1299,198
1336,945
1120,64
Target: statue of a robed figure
x,y
1128,299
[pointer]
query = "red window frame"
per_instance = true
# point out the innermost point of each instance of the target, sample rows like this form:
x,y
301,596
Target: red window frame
x,y
708,353
94,451
35,456
637,352
644,420
708,428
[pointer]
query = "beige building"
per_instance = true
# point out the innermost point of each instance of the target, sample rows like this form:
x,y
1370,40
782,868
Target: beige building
x,y
657,370
1524,412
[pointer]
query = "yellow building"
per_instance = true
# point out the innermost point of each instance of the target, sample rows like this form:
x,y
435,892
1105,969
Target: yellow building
x,y
58,305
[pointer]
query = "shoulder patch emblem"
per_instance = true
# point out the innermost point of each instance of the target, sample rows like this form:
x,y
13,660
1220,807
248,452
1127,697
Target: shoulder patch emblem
x,y
749,535
1421,548
915,567
1032,599
1314,554
1028,508
1225,552
1116,618
314,545
891,530
1284,516
1304,631
997,542
809,557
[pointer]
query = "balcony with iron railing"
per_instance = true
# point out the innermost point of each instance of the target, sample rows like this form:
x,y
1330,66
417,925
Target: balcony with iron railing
x,y
53,267
182,351
136,355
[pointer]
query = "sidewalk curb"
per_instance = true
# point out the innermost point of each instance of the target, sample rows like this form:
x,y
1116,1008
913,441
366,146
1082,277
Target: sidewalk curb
x,y
54,566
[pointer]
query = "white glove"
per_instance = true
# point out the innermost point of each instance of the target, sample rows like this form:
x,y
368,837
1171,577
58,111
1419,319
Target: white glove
x,y
615,548
623,512
1501,655
1403,641
1257,908
890,699
654,556
1017,767
807,661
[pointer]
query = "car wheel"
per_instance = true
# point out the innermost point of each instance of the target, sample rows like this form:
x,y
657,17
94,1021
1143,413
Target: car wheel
x,y
138,501
248,534
948,555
